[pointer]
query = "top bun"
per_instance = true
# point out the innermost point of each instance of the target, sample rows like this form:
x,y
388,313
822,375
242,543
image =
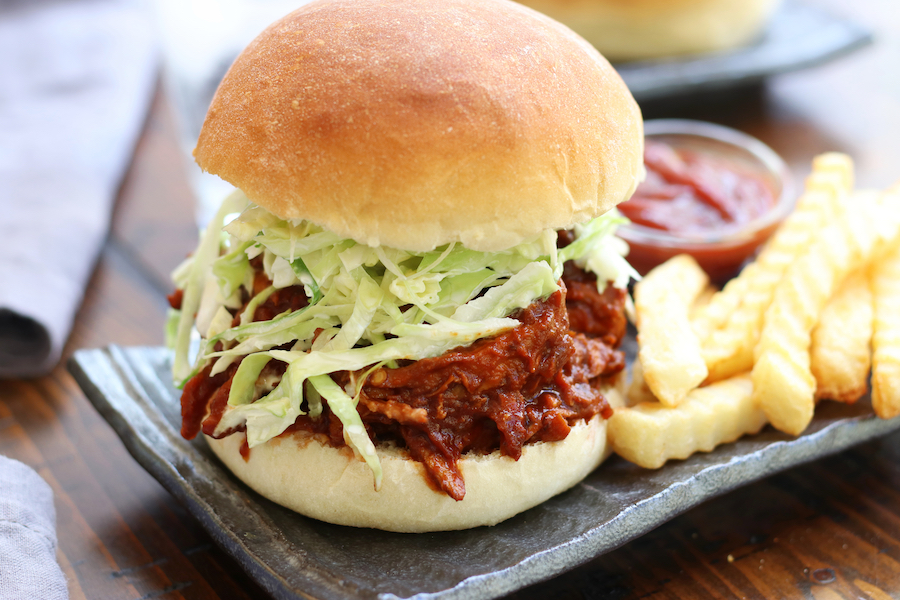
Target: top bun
x,y
415,123
642,29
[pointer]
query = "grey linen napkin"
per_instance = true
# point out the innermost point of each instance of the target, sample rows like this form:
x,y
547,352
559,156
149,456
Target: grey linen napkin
x,y
76,79
28,567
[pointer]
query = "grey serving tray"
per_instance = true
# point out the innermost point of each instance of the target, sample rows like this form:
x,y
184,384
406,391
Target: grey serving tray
x,y
294,557
800,35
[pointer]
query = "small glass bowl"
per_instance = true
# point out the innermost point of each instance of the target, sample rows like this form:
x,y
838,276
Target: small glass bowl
x,y
720,253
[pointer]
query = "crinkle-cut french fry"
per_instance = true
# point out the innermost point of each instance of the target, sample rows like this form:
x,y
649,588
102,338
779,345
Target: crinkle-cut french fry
x,y
886,339
783,384
638,391
669,351
649,434
703,315
840,354
710,316
733,319
729,349
835,163
703,298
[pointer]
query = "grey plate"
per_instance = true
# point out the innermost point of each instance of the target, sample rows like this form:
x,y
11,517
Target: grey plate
x,y
798,36
294,557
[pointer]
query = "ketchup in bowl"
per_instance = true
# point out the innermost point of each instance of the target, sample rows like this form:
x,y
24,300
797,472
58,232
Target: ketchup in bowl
x,y
710,191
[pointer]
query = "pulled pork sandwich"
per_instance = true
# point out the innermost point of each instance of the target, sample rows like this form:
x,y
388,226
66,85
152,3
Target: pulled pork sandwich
x,y
412,322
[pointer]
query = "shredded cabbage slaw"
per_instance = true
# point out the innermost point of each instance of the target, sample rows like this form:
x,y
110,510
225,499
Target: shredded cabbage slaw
x,y
367,306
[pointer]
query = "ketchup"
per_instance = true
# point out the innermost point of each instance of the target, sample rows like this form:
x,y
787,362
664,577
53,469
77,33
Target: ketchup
x,y
688,192
712,205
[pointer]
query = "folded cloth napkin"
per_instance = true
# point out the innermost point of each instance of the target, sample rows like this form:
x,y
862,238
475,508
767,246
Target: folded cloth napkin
x,y
76,79
28,566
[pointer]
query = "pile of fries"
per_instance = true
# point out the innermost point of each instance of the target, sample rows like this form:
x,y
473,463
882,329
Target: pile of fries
x,y
807,320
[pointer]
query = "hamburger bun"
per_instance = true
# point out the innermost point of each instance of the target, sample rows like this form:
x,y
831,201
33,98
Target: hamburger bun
x,y
331,484
625,30
413,124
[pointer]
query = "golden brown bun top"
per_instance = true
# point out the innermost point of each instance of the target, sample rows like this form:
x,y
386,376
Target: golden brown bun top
x,y
414,123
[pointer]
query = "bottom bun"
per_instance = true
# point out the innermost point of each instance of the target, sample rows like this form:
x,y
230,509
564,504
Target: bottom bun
x,y
331,484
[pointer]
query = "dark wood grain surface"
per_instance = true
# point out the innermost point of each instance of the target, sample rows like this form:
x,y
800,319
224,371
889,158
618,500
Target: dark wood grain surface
x,y
827,530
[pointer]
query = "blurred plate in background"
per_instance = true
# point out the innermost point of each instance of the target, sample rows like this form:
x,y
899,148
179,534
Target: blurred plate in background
x,y
799,36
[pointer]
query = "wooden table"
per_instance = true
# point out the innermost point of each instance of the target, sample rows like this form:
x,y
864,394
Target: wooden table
x,y
827,530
